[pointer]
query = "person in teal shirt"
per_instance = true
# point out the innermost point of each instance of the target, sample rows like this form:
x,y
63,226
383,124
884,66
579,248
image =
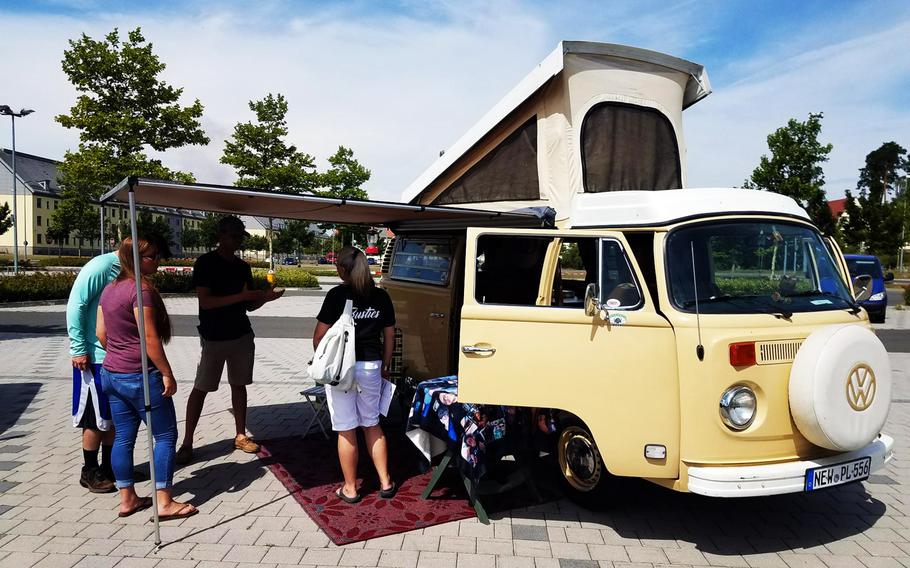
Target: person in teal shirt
x,y
91,409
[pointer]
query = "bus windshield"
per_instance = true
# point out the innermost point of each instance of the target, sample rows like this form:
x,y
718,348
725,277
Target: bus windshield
x,y
753,267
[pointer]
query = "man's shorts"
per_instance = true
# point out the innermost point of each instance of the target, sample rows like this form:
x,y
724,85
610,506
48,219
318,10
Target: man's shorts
x,y
237,353
360,405
91,409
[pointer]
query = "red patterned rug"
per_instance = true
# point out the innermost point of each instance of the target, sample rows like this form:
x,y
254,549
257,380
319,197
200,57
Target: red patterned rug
x,y
309,469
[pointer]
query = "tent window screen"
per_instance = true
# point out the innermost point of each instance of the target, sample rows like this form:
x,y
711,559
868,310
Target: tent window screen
x,y
426,261
507,173
627,147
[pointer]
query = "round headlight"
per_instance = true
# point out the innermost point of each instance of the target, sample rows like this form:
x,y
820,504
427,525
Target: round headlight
x,y
737,407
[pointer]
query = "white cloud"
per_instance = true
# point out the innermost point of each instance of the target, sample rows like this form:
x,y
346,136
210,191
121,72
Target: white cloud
x,y
849,81
396,91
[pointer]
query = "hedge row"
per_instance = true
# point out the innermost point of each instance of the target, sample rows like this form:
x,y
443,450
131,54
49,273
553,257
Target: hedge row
x,y
56,286
38,286
287,278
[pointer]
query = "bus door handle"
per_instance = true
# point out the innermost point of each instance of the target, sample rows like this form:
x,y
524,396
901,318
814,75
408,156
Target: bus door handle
x,y
476,350
437,315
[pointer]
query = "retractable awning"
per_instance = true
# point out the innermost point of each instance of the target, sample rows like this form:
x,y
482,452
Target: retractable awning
x,y
262,203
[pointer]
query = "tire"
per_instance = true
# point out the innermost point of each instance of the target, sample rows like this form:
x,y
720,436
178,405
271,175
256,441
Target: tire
x,y
840,387
582,472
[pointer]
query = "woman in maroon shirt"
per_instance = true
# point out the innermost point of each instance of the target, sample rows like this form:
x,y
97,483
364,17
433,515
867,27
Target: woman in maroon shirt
x,y
121,379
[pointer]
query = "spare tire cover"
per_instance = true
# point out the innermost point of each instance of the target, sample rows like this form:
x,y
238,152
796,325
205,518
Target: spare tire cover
x,y
840,387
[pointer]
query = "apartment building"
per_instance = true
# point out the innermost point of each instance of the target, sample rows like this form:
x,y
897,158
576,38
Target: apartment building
x,y
38,196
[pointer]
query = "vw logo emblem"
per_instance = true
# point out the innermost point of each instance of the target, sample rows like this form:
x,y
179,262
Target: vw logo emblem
x,y
860,387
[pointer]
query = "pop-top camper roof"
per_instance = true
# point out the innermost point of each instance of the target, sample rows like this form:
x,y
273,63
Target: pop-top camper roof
x,y
590,118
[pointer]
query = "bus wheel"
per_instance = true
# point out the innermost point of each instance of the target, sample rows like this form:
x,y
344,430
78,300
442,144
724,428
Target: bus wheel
x,y
581,466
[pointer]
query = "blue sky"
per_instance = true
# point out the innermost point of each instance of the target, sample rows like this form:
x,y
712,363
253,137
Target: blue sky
x,y
399,81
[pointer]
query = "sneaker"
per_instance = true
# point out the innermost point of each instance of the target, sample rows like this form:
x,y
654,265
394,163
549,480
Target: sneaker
x,y
93,480
246,444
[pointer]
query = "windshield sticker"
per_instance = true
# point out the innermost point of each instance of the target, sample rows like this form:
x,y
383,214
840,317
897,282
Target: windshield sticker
x,y
820,302
618,319
613,303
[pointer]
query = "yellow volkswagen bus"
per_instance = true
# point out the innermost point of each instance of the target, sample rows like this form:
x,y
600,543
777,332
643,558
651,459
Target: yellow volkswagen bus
x,y
707,340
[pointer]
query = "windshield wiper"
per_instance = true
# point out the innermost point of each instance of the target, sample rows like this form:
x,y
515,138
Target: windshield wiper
x,y
853,307
773,310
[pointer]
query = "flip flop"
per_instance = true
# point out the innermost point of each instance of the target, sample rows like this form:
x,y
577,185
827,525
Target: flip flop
x,y
144,503
390,492
178,515
349,500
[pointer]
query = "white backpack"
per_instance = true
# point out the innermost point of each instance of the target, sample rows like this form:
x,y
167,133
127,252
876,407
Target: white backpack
x,y
333,362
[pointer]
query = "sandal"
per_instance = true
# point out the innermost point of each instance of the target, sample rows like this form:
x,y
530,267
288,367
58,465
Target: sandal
x,y
349,500
390,492
182,513
144,503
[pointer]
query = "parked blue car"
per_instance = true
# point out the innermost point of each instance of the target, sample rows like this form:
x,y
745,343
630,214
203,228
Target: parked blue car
x,y
865,264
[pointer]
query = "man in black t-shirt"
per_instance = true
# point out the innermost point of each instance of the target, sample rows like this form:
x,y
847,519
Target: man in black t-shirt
x,y
224,285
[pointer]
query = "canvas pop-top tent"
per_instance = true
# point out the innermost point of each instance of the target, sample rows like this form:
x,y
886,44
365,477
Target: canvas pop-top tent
x,y
590,118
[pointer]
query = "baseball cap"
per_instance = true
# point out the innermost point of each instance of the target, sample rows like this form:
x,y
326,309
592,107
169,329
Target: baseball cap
x,y
231,224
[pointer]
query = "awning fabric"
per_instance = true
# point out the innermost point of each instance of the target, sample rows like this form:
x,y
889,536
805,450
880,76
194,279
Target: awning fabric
x,y
258,202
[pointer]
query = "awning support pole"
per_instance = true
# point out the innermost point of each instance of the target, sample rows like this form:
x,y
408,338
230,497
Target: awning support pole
x,y
137,266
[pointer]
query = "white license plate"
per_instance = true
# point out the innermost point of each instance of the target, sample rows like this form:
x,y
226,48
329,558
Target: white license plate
x,y
837,474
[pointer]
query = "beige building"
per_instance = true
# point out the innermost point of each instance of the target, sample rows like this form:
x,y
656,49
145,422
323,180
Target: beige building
x,y
38,197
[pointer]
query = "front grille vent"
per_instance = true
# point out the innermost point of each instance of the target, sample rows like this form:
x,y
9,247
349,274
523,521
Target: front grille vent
x,y
773,352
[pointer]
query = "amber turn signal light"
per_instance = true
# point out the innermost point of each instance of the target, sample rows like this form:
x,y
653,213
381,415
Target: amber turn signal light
x,y
742,354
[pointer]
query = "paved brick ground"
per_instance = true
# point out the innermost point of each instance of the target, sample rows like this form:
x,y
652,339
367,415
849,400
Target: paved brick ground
x,y
247,518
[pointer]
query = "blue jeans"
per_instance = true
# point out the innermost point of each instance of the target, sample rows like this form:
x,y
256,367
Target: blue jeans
x,y
128,408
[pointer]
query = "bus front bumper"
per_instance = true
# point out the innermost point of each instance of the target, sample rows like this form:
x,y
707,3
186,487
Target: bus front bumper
x,y
779,478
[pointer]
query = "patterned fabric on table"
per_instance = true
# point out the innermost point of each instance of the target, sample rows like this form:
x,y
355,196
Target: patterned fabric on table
x,y
477,433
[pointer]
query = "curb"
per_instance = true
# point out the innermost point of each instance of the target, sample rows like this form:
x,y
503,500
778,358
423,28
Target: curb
x,y
31,303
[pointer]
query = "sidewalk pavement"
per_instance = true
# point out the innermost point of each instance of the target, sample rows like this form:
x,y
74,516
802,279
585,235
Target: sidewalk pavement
x,y
247,517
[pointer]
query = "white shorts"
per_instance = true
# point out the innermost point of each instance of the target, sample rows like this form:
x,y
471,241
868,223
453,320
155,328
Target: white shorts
x,y
353,408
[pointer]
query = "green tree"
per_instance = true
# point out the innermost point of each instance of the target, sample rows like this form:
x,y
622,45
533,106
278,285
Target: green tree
x,y
56,236
255,243
6,218
345,179
124,108
260,155
794,169
262,158
146,223
190,238
299,232
77,217
875,214
283,242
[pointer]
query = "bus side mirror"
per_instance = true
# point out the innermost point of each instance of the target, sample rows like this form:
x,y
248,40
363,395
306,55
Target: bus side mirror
x,y
863,286
889,276
592,302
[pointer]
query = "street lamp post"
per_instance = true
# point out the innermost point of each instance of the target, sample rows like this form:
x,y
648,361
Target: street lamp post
x,y
7,111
